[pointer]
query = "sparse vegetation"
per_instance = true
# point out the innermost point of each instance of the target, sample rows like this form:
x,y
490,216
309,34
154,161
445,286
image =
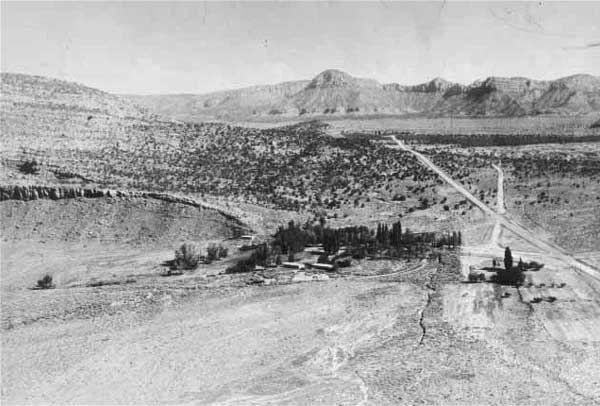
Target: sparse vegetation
x,y
45,282
29,167
187,256
259,256
295,167
215,252
364,186
555,187
488,140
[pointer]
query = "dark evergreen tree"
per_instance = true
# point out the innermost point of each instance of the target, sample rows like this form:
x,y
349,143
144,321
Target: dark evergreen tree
x,y
508,259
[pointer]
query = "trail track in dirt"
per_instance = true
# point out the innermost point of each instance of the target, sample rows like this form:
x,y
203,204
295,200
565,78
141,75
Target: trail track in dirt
x,y
506,220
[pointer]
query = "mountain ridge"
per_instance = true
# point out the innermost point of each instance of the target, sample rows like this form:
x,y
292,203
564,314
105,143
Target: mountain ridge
x,y
337,93
330,93
59,94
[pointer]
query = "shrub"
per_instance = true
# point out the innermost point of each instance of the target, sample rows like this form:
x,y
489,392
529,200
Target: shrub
x,y
212,253
29,167
215,252
513,276
45,282
187,256
342,263
323,259
258,257
222,251
476,277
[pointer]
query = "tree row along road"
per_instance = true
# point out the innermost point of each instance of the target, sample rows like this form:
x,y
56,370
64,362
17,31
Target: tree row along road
x,y
507,222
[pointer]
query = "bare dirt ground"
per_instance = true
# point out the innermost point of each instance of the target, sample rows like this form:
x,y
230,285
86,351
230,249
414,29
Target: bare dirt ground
x,y
416,336
386,333
403,339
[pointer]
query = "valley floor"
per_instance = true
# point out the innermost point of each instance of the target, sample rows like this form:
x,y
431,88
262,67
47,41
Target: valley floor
x,y
423,338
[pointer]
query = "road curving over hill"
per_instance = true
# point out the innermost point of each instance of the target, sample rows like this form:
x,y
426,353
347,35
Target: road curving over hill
x,y
505,219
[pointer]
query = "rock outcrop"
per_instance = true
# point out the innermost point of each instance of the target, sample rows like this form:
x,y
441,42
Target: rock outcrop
x,y
34,192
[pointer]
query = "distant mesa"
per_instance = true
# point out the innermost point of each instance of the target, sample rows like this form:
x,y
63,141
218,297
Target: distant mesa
x,y
330,93
337,93
333,78
437,85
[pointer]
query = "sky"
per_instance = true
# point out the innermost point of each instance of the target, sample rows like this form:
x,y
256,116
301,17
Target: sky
x,y
195,47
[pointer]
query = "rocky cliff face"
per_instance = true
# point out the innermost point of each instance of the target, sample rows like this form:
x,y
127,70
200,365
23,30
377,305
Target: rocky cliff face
x,y
334,78
437,85
25,193
30,104
35,192
334,92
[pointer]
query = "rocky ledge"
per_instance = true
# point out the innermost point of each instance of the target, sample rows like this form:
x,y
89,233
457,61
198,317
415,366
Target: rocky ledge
x,y
35,192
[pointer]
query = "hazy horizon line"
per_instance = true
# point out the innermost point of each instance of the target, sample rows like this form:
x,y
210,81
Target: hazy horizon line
x,y
82,83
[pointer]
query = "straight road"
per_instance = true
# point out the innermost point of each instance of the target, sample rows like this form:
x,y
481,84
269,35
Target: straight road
x,y
504,220
500,195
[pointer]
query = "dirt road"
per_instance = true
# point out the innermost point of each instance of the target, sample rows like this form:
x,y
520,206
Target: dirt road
x,y
500,189
505,220
415,335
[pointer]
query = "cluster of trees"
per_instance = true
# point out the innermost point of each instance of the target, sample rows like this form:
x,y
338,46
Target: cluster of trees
x,y
188,256
510,274
358,242
294,238
361,240
260,256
